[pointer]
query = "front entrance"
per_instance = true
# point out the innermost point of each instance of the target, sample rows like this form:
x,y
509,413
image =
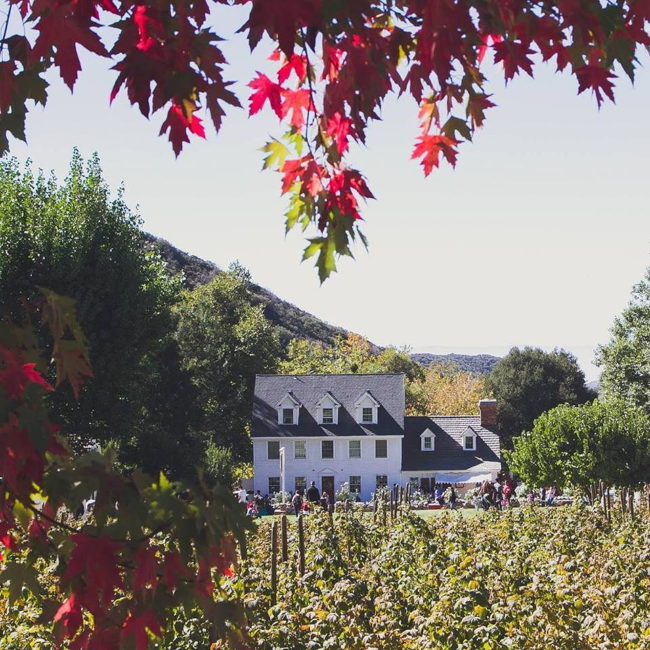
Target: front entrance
x,y
328,486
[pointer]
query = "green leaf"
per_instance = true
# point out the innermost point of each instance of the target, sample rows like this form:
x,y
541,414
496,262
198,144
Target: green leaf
x,y
277,154
456,125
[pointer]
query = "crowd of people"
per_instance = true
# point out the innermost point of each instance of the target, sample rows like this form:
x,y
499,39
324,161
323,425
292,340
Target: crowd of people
x,y
303,501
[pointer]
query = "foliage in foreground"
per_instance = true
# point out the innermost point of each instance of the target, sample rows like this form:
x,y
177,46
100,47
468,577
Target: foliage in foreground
x,y
335,65
528,578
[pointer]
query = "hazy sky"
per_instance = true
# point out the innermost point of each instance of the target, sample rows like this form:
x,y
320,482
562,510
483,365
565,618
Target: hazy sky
x,y
536,237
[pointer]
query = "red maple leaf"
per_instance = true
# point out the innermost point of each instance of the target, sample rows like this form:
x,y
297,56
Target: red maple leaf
x,y
596,78
338,128
173,569
429,148
94,559
136,625
70,614
295,63
265,90
295,103
60,30
7,82
16,375
179,124
146,570
514,56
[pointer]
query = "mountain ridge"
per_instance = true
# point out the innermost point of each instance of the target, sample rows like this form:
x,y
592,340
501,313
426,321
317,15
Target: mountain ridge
x,y
290,320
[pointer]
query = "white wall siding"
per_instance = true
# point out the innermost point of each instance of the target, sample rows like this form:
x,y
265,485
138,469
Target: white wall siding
x,y
341,466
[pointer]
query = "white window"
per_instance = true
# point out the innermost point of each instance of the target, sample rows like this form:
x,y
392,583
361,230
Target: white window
x,y
273,449
355,484
274,484
288,408
300,449
327,449
381,448
469,439
300,483
382,480
414,481
367,409
428,440
328,409
354,447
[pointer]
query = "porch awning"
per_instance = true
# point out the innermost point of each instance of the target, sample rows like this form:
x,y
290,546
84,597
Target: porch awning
x,y
461,477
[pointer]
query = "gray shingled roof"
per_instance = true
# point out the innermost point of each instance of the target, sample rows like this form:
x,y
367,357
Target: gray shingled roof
x,y
449,454
388,390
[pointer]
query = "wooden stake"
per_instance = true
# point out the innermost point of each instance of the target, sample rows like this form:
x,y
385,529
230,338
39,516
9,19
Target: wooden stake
x,y
274,562
301,545
285,546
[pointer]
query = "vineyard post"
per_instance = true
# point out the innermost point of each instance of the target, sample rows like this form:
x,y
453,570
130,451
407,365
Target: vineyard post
x,y
631,506
392,494
274,562
374,506
301,544
623,498
383,507
285,550
609,503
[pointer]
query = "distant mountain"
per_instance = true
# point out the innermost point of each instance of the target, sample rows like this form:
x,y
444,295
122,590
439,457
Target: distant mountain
x,y
291,321
481,364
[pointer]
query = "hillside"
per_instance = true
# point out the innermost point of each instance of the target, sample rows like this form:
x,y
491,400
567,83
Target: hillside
x,y
480,364
291,321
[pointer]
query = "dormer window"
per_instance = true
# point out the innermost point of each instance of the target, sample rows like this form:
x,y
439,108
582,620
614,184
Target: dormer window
x,y
328,409
428,440
367,409
469,439
288,409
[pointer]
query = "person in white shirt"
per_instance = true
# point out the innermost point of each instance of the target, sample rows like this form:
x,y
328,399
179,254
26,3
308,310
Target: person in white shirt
x,y
240,493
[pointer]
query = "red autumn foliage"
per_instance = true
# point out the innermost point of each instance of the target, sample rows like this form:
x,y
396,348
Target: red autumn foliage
x,y
336,63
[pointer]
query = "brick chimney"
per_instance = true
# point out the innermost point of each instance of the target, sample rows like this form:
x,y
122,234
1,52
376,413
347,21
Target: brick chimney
x,y
488,410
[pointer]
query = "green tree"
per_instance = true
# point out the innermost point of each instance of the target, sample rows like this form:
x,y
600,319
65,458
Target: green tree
x,y
78,241
527,382
625,360
224,341
580,445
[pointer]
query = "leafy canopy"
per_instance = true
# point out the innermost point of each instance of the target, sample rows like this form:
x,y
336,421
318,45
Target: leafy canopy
x,y
625,360
336,63
529,381
581,445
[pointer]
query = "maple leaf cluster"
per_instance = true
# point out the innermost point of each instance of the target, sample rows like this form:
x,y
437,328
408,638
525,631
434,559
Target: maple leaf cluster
x,y
150,547
336,63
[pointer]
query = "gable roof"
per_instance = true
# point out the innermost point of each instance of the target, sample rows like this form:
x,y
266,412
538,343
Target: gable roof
x,y
387,390
449,454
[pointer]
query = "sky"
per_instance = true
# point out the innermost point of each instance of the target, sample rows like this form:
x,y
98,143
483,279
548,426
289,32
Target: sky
x,y
535,238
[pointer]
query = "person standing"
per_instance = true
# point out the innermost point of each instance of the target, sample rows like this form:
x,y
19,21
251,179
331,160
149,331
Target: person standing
x,y
240,493
296,502
313,495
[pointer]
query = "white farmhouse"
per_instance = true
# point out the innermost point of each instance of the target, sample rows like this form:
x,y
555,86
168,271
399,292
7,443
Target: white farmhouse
x,y
333,429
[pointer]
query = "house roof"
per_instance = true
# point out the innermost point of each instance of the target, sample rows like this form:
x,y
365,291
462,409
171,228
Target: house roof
x,y
448,454
387,390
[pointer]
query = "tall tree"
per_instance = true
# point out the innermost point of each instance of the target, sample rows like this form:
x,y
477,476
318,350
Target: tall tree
x,y
446,390
336,64
76,240
580,445
224,341
625,360
529,381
